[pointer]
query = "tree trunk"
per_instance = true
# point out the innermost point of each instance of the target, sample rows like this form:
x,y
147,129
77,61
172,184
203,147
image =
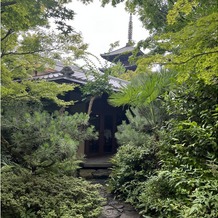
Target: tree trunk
x,y
90,104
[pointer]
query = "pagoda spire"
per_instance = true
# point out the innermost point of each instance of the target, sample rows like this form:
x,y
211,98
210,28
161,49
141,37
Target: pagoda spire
x,y
130,30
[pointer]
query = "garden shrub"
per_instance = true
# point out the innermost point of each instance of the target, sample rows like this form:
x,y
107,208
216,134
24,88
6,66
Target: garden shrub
x,y
135,159
48,196
40,162
184,179
39,141
131,165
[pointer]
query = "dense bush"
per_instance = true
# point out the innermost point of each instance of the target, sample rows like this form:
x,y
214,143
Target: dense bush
x,y
185,180
39,141
178,193
48,196
39,163
136,157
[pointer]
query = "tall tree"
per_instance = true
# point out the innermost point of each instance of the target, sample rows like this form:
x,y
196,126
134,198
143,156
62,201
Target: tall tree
x,y
28,45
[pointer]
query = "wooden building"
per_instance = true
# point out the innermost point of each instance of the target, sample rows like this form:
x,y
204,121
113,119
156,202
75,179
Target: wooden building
x,y
104,117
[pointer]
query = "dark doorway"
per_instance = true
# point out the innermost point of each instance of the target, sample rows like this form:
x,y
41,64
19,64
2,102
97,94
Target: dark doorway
x,y
106,143
105,118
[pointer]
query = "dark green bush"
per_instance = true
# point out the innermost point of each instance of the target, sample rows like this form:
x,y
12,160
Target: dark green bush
x,y
131,165
136,158
40,141
48,196
39,161
179,178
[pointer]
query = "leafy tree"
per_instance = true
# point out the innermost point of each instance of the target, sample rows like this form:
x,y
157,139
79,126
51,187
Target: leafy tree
x,y
185,41
39,149
97,85
185,185
192,50
27,46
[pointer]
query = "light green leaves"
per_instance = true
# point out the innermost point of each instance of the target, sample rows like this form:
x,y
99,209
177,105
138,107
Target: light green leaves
x,y
143,89
183,7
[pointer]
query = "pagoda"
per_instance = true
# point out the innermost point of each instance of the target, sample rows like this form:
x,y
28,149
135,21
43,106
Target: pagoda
x,y
122,54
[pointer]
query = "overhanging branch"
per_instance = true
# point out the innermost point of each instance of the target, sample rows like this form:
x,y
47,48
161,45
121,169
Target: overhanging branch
x,y
5,4
10,31
25,53
189,59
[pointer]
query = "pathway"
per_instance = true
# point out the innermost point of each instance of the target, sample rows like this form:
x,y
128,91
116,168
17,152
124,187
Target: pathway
x,y
115,208
96,170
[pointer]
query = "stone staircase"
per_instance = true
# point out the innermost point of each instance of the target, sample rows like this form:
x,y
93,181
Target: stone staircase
x,y
96,168
91,173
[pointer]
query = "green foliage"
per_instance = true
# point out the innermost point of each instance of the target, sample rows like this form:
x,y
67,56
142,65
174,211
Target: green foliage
x,y
136,157
97,84
131,166
166,195
181,8
183,182
116,70
33,91
140,123
204,201
179,193
29,45
39,149
22,14
48,196
192,50
39,164
143,89
184,38
37,140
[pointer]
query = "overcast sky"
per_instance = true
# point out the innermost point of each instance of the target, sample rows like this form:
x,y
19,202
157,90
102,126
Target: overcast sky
x,y
102,26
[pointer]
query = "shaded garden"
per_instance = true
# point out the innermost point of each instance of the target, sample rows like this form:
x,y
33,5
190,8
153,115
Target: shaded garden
x,y
166,165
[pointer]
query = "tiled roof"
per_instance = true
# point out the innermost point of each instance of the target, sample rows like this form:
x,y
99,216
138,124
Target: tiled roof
x,y
77,75
119,51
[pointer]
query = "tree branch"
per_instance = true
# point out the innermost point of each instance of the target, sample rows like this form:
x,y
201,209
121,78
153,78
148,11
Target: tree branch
x,y
10,31
24,53
5,4
194,56
90,104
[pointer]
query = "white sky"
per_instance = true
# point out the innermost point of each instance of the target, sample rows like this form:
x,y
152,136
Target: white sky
x,y
102,26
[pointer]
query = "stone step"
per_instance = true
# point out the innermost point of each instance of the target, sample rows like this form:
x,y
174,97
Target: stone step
x,y
90,173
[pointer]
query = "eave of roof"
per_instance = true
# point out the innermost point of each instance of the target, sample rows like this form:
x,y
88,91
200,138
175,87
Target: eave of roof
x,y
121,54
126,49
76,75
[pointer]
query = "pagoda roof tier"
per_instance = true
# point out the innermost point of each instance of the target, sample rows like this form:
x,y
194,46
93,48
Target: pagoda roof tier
x,y
121,54
114,55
